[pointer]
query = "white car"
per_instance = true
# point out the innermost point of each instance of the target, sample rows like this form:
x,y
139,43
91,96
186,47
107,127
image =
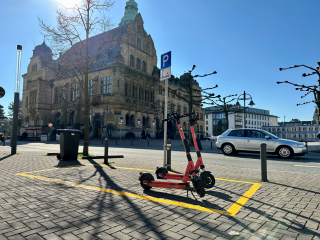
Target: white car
x,y
233,141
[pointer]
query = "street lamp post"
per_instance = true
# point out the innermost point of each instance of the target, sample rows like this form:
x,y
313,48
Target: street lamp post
x,y
244,97
16,102
51,86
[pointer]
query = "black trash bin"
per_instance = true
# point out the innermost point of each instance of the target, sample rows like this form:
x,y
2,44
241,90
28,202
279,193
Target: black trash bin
x,y
69,144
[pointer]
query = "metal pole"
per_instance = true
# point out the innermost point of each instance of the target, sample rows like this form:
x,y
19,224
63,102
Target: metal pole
x,y
168,155
120,133
263,158
16,103
244,110
165,123
106,145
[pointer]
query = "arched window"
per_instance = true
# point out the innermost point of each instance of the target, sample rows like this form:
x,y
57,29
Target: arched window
x,y
127,120
131,61
26,124
71,118
38,121
144,66
148,122
138,63
57,118
197,128
132,120
143,121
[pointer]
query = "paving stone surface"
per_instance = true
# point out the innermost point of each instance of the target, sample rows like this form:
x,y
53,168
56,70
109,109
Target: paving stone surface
x,y
287,207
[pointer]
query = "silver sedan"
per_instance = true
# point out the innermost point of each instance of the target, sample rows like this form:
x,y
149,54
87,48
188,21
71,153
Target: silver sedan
x,y
233,141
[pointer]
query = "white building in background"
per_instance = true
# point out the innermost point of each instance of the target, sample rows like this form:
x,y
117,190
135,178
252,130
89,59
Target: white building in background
x,y
216,123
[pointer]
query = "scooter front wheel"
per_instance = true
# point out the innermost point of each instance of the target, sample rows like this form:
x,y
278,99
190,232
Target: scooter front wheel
x,y
208,179
160,172
199,187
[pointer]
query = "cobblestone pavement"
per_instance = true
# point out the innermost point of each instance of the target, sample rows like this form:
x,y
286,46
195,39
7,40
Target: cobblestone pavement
x,y
96,201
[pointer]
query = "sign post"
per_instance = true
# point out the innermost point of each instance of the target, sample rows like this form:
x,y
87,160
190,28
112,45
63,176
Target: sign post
x,y
165,74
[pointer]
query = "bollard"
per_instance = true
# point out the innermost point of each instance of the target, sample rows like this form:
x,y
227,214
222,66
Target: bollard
x,y
168,165
4,141
148,141
211,144
106,143
263,158
131,140
307,147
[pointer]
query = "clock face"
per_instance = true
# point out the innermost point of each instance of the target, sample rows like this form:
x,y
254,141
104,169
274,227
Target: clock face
x,y
2,92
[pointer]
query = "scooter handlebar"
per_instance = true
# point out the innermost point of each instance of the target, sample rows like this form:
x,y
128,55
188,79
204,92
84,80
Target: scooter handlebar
x,y
176,116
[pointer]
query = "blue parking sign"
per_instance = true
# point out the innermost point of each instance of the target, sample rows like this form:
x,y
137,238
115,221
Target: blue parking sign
x,y
166,60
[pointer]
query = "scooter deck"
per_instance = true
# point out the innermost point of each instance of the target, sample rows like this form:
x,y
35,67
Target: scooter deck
x,y
166,184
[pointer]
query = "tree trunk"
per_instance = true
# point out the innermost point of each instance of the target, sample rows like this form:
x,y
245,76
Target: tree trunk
x,y
86,95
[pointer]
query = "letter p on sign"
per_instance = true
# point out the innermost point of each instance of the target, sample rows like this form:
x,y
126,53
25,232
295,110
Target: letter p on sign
x,y
166,60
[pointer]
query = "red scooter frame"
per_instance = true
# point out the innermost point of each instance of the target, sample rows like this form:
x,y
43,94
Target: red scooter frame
x,y
147,181
206,176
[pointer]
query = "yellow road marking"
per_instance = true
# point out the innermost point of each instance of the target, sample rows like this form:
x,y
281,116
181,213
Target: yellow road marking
x,y
232,211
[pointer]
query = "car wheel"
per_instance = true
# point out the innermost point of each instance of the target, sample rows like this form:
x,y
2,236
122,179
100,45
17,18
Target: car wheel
x,y
285,152
228,149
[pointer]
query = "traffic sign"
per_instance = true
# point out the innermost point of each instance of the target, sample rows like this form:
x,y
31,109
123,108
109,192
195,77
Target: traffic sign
x,y
166,60
165,72
50,125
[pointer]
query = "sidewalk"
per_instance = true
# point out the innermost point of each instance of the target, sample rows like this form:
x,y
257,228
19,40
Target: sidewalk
x,y
109,203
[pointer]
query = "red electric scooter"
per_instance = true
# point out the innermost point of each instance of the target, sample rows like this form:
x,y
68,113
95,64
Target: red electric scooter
x,y
206,176
147,181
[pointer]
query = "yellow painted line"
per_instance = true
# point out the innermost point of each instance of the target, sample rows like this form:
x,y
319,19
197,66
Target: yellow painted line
x,y
234,209
129,194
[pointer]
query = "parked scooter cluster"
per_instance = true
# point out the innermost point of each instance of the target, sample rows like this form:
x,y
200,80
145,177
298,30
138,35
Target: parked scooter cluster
x,y
196,174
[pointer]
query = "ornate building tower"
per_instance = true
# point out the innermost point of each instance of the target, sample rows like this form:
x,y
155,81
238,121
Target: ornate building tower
x,y
131,10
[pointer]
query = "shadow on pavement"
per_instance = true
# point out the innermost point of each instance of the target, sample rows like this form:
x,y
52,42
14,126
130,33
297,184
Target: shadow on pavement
x,y
64,163
7,156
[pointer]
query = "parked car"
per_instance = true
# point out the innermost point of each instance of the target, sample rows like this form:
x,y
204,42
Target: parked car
x,y
318,135
233,141
210,138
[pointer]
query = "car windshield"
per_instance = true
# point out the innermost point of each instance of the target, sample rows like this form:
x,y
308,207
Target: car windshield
x,y
270,134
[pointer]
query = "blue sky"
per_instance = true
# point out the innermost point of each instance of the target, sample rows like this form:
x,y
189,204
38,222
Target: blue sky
x,y
244,41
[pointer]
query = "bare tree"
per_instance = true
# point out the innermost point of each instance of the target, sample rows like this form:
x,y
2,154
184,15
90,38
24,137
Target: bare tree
x,y
307,89
188,91
71,37
222,104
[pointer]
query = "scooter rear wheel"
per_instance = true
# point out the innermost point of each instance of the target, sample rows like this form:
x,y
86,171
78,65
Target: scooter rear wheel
x,y
207,179
199,187
148,177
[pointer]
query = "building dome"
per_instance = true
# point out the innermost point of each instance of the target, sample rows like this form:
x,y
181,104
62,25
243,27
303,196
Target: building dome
x,y
42,49
131,10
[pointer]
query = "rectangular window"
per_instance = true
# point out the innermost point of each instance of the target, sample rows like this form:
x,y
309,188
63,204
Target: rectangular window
x,y
90,86
139,43
74,92
26,102
201,116
126,89
106,84
160,89
184,110
133,91
34,68
58,95
179,110
33,97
